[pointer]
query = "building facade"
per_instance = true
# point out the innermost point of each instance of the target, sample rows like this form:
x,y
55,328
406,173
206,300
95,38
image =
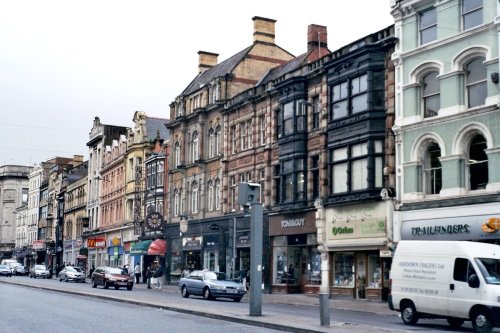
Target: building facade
x,y
447,120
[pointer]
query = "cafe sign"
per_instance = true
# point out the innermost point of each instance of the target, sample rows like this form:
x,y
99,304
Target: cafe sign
x,y
97,242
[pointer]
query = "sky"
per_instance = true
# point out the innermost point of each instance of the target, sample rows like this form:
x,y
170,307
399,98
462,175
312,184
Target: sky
x,y
65,62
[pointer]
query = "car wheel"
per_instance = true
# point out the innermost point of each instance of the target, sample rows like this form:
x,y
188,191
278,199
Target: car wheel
x,y
207,294
94,284
481,321
455,322
106,285
184,292
409,314
237,299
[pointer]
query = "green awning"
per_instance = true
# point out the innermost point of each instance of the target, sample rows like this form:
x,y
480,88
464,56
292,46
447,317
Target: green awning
x,y
140,248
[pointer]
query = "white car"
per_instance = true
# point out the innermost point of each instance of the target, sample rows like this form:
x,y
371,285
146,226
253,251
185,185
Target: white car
x,y
39,271
5,270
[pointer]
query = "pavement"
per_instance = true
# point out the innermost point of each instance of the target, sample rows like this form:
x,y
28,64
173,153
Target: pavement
x,y
272,319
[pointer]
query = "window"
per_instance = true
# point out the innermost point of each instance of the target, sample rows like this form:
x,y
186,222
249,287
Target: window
x,y
211,143
463,270
349,97
160,173
217,140
357,167
177,154
278,120
277,183
428,26
294,117
233,193
430,94
194,197
315,176
475,82
262,130
215,92
316,112
217,194
195,147
210,196
294,182
472,13
432,170
478,163
234,139
246,134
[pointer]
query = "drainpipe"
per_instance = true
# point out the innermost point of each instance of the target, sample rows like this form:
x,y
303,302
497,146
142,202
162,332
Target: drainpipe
x,y
324,289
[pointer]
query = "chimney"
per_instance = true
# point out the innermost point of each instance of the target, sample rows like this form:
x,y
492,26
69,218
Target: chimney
x,y
206,60
263,30
316,37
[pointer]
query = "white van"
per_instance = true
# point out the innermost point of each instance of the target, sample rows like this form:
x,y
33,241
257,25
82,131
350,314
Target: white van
x,y
455,280
11,263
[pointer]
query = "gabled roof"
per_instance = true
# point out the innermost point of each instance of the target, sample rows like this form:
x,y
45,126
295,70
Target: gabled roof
x,y
155,126
279,71
219,70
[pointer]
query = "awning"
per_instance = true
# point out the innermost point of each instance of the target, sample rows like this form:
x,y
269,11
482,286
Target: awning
x,y
158,247
140,248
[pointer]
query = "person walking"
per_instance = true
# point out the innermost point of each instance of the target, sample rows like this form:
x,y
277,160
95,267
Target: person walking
x,y
137,272
158,275
149,275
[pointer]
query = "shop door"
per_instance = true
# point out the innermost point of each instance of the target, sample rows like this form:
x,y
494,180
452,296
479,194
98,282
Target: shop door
x,y
192,260
360,275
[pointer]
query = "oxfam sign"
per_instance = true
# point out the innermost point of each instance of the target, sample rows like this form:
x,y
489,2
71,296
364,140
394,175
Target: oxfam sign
x,y
342,231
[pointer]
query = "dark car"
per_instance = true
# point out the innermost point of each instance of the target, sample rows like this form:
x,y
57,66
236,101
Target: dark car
x,y
20,270
211,285
70,273
108,276
5,270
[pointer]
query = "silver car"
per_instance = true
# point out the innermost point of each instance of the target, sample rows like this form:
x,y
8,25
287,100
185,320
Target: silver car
x,y
211,285
70,273
39,271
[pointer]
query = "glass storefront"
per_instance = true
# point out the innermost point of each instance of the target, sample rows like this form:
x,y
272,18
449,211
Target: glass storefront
x,y
344,269
175,260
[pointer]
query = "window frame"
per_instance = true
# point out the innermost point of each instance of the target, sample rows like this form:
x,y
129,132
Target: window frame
x,y
481,83
470,12
431,27
343,95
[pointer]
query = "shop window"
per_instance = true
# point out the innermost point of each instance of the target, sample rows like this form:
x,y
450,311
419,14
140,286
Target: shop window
x,y
314,267
374,271
344,269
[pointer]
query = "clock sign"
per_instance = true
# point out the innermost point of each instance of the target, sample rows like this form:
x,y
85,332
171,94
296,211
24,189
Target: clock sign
x,y
154,221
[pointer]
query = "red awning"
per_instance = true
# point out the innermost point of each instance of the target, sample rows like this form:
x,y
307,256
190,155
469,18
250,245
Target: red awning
x,y
158,248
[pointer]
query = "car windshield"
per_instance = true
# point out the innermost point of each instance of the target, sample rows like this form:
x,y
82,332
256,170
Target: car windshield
x,y
40,267
71,269
78,269
114,270
210,276
490,268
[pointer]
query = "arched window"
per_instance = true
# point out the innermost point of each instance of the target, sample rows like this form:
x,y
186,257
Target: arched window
x,y
217,140
177,154
217,194
430,94
176,202
195,147
433,180
194,197
478,163
475,82
210,202
211,143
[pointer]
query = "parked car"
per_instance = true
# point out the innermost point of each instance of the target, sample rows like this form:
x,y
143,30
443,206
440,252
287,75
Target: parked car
x,y
5,270
211,285
108,276
39,271
70,273
20,270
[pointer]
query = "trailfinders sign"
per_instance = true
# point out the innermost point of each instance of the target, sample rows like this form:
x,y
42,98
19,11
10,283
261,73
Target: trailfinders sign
x,y
361,221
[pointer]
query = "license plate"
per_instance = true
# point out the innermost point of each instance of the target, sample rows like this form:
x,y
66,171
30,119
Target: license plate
x,y
121,283
232,291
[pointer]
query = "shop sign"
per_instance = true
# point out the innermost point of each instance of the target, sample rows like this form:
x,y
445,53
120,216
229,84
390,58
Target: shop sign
x,y
154,221
293,223
38,245
115,241
97,242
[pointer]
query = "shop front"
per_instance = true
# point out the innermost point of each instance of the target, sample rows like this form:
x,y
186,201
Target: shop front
x,y
360,259
96,251
295,258
191,252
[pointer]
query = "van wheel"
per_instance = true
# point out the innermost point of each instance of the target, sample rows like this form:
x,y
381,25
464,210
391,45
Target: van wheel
x,y
455,322
409,314
481,321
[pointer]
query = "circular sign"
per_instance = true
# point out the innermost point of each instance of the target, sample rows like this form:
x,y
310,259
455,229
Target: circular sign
x,y
154,221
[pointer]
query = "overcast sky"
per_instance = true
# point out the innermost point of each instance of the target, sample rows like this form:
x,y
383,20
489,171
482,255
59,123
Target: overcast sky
x,y
62,63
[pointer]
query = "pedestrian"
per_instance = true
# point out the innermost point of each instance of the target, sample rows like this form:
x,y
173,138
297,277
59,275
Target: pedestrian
x,y
125,270
149,275
159,274
137,272
185,272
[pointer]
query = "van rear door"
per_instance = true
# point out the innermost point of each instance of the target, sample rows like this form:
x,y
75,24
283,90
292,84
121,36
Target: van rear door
x,y
462,296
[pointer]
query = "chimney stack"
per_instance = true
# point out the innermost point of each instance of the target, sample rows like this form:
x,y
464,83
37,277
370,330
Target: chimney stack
x,y
263,30
316,37
206,60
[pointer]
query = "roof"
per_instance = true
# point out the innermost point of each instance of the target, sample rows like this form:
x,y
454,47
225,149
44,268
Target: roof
x,y
157,127
219,70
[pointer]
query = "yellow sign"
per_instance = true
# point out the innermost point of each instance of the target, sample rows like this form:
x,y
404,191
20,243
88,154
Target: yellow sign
x,y
492,225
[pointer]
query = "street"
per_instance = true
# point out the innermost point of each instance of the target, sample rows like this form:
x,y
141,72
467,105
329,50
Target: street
x,y
73,309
